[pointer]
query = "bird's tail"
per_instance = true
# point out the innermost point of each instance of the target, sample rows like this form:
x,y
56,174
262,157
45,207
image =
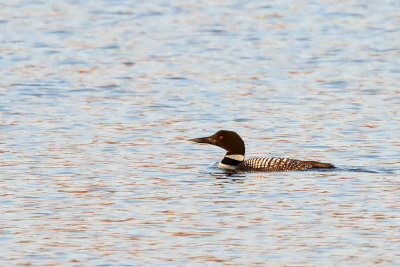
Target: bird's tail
x,y
316,164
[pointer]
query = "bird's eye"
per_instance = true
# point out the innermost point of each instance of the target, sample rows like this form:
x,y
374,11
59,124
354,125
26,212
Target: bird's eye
x,y
221,137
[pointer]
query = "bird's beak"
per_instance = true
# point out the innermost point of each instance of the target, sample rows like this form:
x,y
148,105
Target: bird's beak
x,y
202,140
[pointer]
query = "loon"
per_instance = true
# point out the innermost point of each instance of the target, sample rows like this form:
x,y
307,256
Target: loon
x,y
234,158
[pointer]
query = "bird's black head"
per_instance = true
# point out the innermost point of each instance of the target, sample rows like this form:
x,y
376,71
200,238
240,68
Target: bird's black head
x,y
228,140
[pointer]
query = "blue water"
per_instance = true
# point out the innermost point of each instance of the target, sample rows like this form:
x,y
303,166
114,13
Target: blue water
x,y
99,98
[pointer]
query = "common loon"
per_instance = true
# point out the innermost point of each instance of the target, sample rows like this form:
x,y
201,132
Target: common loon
x,y
234,158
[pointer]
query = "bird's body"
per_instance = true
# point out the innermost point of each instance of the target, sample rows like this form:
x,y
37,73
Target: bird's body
x,y
234,158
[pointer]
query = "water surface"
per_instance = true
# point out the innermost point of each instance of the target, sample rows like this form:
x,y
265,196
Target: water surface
x,y
98,99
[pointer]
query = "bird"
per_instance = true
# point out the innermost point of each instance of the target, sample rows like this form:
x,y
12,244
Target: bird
x,y
234,157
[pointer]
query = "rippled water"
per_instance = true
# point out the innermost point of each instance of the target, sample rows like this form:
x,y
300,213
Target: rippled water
x,y
98,99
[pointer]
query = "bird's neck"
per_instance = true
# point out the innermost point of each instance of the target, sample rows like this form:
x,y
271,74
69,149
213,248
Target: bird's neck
x,y
231,161
234,156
